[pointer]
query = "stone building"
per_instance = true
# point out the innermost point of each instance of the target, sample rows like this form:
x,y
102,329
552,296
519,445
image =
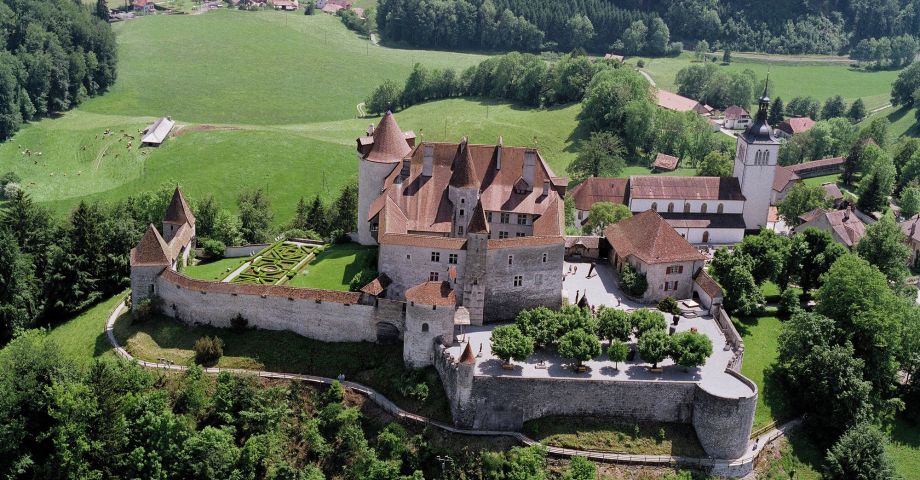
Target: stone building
x,y
844,225
652,247
487,219
157,251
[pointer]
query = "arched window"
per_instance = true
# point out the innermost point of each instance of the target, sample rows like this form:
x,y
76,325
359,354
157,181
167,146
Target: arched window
x,y
687,207
671,207
424,327
703,208
706,237
655,206
720,209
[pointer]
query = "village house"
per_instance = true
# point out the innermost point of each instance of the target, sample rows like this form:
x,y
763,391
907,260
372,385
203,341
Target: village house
x,y
155,133
143,6
844,225
665,163
652,247
286,5
794,126
595,190
911,230
678,103
787,176
737,118
486,218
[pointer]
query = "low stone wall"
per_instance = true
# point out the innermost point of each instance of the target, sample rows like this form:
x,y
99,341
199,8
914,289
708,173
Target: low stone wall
x,y
318,314
732,337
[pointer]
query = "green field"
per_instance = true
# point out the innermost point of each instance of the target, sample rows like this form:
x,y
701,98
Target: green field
x,y
791,79
334,268
83,337
216,270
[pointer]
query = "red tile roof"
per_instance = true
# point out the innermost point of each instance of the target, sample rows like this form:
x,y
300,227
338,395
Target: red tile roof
x,y
673,101
843,223
832,191
783,177
390,144
665,162
432,293
178,211
735,112
478,223
599,189
517,242
804,167
151,251
464,171
685,188
377,285
587,242
796,125
911,228
648,237
707,283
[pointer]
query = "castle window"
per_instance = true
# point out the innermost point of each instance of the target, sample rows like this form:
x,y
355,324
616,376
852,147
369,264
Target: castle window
x,y
462,212
519,234
505,218
518,280
720,209
459,229
433,277
675,269
687,207
408,257
703,208
675,285
435,256
452,258
671,207
502,235
462,201
522,219
510,259
544,258
489,217
666,286
655,206
705,237
424,327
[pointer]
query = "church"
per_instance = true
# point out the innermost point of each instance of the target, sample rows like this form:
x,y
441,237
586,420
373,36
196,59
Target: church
x,y
704,210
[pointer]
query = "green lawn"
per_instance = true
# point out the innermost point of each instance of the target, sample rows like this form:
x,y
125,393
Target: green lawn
x,y
216,270
637,170
334,268
612,435
83,337
791,79
379,366
905,448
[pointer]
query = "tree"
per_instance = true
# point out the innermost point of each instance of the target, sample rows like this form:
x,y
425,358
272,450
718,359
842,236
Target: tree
x,y
857,111
600,156
19,288
767,252
803,107
633,282
255,215
579,345
614,324
910,201
908,81
777,112
659,36
645,320
834,107
885,247
205,216
702,48
811,254
727,56
385,97
716,164
877,183
690,349
508,343
539,323
617,352
579,31
654,346
580,468
102,10
801,199
742,295
345,209
226,228
634,38
603,214
860,453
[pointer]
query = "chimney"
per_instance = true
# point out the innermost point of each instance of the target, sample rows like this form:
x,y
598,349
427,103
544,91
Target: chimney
x,y
406,163
545,187
498,154
530,165
428,161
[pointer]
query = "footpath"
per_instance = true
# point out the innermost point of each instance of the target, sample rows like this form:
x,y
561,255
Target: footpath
x,y
737,468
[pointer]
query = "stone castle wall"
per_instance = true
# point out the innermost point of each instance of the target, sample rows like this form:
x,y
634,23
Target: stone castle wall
x,y
723,424
541,282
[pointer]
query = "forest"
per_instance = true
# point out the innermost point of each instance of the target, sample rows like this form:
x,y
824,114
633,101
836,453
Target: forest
x,y
636,27
53,56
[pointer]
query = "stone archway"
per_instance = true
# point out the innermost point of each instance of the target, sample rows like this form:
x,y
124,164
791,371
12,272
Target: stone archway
x,y
387,333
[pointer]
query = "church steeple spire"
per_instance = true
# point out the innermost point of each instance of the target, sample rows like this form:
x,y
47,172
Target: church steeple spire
x,y
764,107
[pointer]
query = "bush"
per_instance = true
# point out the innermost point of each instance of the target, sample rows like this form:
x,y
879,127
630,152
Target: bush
x,y
213,249
412,385
239,322
144,310
10,190
633,282
789,302
645,320
669,305
361,279
208,350
9,177
640,63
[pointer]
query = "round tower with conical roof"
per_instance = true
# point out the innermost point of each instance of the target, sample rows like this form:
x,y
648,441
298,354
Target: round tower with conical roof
x,y
379,152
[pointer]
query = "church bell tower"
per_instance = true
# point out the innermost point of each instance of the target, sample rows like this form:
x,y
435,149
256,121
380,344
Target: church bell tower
x,y
755,165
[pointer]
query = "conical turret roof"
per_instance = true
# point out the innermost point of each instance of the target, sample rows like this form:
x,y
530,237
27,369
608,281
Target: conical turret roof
x,y
464,175
390,144
178,210
467,358
151,251
478,223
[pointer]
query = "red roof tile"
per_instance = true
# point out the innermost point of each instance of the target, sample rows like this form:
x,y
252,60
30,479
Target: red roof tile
x,y
707,283
673,101
377,285
665,162
796,125
783,177
178,211
478,223
464,175
151,251
735,112
685,188
390,143
467,356
279,291
804,167
599,189
648,237
432,293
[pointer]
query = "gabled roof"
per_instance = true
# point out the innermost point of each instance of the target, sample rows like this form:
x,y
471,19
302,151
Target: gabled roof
x,y
783,177
432,293
911,228
390,144
685,188
843,224
735,112
707,283
649,238
178,211
796,125
587,242
664,161
157,132
377,285
673,101
832,191
805,167
152,250
599,189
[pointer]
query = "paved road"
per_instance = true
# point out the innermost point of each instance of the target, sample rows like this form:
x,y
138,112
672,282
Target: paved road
x,y
729,468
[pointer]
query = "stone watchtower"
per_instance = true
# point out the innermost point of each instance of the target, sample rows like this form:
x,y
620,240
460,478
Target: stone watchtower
x,y
755,165
430,311
378,153
177,214
474,280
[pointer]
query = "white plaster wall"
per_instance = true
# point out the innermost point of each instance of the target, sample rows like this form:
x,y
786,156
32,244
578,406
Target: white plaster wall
x,y
637,205
718,236
657,275
370,180
756,180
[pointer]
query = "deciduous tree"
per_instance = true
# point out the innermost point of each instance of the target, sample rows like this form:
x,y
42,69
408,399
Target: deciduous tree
x,y
579,345
603,214
508,343
600,156
654,347
860,453
801,199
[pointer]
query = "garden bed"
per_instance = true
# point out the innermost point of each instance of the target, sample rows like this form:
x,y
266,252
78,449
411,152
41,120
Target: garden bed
x,y
276,264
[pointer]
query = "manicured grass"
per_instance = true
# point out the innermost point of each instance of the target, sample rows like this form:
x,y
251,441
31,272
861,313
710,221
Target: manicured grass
x,y
638,170
83,337
273,265
612,435
379,366
798,458
216,270
905,448
760,335
334,268
792,79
